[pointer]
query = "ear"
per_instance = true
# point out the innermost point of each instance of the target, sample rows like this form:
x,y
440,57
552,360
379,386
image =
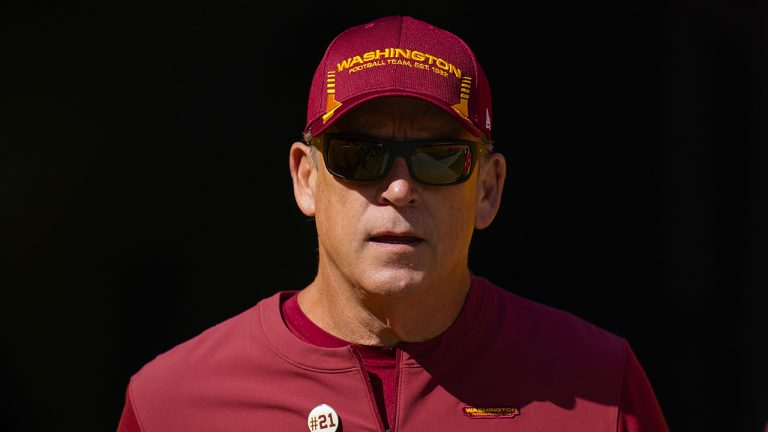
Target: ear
x,y
490,183
304,175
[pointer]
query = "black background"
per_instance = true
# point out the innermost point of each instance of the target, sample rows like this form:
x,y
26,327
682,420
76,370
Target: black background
x,y
145,194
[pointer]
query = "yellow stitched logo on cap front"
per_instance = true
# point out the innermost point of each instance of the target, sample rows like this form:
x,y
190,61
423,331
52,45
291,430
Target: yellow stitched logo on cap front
x,y
398,56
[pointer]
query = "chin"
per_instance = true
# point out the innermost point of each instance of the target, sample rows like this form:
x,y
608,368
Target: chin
x,y
395,282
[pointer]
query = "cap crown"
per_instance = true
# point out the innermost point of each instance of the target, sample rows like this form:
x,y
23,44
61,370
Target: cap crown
x,y
399,56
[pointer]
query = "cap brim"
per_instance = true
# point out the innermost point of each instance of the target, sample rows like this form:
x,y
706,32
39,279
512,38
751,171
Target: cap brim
x,y
318,126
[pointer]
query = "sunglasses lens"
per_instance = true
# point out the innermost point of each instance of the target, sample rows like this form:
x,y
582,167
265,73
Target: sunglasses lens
x,y
359,158
442,163
356,159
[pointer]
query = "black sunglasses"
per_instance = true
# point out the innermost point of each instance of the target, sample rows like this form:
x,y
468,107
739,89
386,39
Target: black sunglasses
x,y
439,162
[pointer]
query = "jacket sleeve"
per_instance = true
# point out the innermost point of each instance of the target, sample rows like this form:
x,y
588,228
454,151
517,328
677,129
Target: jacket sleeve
x,y
639,411
128,420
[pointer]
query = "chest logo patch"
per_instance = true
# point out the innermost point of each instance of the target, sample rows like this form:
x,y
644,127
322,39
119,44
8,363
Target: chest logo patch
x,y
490,412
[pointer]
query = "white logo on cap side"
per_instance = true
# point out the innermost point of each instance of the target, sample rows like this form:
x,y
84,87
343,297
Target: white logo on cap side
x,y
487,119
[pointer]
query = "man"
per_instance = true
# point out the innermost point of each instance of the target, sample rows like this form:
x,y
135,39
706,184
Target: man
x,y
395,333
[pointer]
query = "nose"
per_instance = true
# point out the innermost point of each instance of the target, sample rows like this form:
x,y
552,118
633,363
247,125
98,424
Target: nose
x,y
400,189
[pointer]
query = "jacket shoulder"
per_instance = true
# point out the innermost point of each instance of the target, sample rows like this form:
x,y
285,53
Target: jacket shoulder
x,y
546,325
194,372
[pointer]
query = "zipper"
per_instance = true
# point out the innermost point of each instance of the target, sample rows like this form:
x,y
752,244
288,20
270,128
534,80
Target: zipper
x,y
369,389
398,359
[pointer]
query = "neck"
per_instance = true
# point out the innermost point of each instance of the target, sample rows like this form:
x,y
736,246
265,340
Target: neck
x,y
361,316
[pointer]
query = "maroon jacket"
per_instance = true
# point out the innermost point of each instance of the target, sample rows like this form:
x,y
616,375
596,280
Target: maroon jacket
x,y
506,363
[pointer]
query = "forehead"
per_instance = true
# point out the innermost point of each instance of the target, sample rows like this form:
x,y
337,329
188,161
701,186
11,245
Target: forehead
x,y
404,117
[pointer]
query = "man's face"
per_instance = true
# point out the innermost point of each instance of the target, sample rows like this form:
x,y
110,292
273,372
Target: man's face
x,y
395,234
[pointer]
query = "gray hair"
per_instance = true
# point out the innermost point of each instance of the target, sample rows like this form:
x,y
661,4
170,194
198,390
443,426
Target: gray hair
x,y
312,149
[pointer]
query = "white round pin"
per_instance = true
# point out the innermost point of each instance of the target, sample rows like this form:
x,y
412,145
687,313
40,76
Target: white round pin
x,y
323,418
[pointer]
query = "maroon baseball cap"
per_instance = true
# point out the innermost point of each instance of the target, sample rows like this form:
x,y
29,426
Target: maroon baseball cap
x,y
399,56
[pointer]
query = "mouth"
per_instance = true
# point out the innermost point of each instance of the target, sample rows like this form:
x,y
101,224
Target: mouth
x,y
396,239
